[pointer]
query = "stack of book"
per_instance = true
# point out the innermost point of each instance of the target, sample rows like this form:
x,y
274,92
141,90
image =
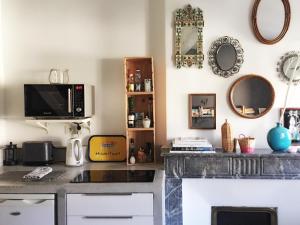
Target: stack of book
x,y
191,145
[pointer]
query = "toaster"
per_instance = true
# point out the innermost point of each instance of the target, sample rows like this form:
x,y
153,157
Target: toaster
x,y
37,153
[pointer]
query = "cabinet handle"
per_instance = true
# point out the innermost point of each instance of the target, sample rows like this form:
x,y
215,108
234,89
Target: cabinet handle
x,y
69,101
109,194
15,213
109,217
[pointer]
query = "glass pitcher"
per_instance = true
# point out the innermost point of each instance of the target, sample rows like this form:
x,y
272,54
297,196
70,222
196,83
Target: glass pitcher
x,y
57,76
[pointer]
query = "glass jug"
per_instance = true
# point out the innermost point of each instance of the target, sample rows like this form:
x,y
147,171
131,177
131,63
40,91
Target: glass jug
x,y
57,76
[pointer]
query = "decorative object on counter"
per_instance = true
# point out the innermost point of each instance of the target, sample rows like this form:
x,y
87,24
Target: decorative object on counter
x,y
57,76
188,37
147,85
141,155
202,111
291,121
251,96
288,66
107,148
279,138
132,151
146,122
10,154
138,80
144,105
247,144
227,140
226,56
265,30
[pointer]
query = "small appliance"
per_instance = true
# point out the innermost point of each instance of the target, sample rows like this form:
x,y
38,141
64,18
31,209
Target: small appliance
x,y
10,154
114,176
74,152
58,101
37,152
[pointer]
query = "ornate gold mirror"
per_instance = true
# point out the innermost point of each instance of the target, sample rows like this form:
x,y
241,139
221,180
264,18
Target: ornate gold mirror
x,y
251,96
289,66
270,20
188,37
226,56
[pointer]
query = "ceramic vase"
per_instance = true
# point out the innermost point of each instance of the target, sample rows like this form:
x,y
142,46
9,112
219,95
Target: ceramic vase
x,y
279,138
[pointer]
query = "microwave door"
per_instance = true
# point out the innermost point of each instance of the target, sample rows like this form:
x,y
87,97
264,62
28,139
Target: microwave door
x,y
49,101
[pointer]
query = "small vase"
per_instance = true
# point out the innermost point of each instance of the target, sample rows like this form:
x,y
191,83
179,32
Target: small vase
x,y
279,138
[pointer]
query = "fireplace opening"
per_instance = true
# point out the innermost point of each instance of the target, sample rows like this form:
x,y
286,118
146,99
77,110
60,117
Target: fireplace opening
x,y
227,215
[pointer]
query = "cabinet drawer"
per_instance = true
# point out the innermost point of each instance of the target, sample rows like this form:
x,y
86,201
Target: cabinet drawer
x,y
131,204
135,220
27,212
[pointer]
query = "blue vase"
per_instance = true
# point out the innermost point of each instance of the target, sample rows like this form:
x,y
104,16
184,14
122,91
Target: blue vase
x,y
279,138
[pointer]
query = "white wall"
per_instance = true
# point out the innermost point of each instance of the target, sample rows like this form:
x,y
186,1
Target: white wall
x,y
2,121
231,18
201,194
90,38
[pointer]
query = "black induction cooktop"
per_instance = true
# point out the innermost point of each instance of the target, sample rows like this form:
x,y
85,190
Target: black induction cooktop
x,y
114,176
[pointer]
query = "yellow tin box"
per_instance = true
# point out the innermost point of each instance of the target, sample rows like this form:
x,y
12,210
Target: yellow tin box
x,y
107,148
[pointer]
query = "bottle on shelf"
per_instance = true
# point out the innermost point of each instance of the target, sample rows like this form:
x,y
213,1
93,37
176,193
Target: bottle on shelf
x,y
131,82
131,119
131,114
138,80
132,151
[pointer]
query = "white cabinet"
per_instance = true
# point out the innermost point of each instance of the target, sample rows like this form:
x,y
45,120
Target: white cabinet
x,y
110,209
27,209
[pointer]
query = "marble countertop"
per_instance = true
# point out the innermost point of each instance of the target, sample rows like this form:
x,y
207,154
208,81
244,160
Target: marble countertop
x,y
11,182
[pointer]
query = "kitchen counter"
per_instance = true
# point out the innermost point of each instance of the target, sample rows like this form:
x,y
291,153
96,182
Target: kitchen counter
x,y
61,184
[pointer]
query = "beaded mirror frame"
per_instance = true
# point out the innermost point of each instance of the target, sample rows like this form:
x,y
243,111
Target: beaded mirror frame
x,y
212,56
192,18
289,57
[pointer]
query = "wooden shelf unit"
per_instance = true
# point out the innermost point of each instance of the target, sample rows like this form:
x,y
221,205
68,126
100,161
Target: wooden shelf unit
x,y
144,102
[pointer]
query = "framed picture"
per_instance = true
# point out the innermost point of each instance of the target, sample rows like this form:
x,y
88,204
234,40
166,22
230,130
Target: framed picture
x,y
291,121
202,111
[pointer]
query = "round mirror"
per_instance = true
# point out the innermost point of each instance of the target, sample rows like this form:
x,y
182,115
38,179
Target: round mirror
x,y
251,96
289,66
226,56
270,20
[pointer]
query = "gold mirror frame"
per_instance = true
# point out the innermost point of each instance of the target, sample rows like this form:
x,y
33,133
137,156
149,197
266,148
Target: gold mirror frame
x,y
189,17
287,19
247,77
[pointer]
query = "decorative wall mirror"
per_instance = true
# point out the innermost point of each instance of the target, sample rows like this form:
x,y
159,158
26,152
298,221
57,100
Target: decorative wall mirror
x,y
188,37
288,66
251,96
270,20
226,56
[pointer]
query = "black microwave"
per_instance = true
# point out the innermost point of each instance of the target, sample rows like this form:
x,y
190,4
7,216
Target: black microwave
x,y
58,101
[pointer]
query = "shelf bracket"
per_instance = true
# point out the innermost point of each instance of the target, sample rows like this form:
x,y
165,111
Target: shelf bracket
x,y
43,125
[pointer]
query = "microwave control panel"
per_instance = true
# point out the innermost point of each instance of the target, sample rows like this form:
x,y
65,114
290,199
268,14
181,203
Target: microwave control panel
x,y
78,100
